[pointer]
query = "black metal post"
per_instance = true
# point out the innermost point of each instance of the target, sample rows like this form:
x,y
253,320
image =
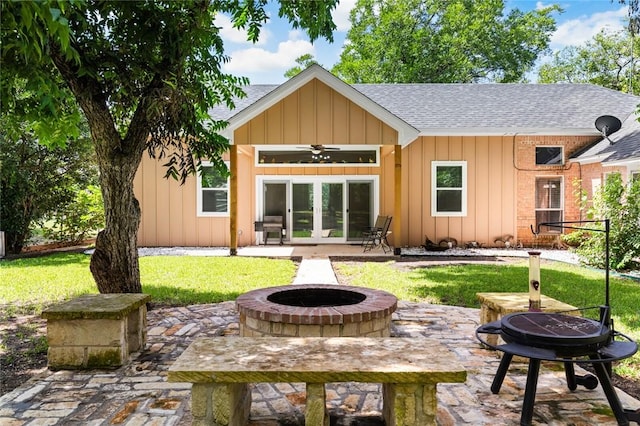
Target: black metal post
x,y
606,257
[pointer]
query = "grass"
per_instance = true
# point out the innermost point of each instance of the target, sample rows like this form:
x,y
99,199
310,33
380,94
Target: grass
x,y
29,285
458,285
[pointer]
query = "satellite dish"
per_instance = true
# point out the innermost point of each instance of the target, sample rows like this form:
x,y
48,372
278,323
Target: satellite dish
x,y
608,125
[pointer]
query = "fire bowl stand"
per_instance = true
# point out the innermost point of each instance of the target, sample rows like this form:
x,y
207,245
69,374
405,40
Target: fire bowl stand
x,y
600,360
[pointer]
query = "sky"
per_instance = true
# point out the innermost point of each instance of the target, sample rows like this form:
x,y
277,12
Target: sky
x,y
266,61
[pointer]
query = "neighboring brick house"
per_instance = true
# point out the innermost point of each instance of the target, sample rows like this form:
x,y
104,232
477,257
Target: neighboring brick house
x,y
472,162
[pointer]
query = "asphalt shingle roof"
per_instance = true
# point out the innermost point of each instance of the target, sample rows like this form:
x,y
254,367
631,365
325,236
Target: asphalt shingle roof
x,y
509,107
625,146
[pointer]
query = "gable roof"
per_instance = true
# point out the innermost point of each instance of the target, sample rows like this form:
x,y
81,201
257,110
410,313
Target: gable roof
x,y
624,149
267,96
458,109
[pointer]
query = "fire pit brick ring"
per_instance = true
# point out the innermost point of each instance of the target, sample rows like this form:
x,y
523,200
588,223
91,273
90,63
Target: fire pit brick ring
x,y
316,310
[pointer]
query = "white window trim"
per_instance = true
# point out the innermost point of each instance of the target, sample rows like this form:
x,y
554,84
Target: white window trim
x,y
562,206
259,148
434,189
549,165
199,190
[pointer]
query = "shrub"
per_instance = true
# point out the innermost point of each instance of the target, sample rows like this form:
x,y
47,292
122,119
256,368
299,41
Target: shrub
x,y
79,219
620,203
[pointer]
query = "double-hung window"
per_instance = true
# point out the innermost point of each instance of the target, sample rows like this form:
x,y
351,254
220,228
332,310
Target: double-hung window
x,y
449,188
213,192
549,202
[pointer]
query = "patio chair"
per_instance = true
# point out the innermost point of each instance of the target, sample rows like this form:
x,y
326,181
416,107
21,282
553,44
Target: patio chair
x,y
272,224
369,231
378,238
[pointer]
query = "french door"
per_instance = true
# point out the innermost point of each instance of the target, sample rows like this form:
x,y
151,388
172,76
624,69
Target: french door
x,y
326,209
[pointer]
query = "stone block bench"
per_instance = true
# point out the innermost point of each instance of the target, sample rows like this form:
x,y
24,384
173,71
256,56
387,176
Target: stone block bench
x,y
494,306
96,331
408,368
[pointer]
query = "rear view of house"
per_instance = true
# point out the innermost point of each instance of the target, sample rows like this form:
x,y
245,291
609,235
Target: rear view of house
x,y
473,162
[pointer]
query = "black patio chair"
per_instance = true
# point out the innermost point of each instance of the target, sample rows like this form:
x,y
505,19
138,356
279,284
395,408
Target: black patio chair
x,y
378,237
371,230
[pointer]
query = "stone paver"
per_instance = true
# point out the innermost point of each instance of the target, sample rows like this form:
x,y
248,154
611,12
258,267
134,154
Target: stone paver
x,y
139,394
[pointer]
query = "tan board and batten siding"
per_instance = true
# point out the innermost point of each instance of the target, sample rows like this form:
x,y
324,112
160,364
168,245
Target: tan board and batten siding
x,y
491,180
317,114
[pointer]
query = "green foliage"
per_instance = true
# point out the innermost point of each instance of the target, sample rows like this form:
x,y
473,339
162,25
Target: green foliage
x,y
606,60
36,180
79,219
457,41
304,62
620,203
151,67
145,74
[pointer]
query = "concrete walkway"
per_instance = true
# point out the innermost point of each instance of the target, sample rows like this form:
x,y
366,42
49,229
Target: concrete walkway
x,y
138,393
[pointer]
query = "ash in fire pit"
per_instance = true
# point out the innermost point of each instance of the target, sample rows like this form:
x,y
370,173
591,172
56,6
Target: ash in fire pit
x,y
312,310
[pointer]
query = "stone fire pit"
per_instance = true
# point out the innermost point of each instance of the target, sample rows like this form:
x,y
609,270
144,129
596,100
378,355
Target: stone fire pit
x,y
316,310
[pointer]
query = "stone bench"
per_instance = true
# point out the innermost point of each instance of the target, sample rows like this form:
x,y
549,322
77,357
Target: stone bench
x,y
408,368
96,331
493,306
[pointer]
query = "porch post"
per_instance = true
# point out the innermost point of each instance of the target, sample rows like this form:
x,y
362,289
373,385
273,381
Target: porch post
x,y
397,204
233,200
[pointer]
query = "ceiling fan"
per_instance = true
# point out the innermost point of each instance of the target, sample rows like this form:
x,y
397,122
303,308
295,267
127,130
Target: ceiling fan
x,y
318,149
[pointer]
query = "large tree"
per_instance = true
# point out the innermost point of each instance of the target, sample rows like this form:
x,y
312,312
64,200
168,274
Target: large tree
x,y
607,60
145,74
442,41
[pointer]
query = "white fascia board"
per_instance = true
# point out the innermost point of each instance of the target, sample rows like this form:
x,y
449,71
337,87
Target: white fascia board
x,y
599,158
406,132
498,131
631,163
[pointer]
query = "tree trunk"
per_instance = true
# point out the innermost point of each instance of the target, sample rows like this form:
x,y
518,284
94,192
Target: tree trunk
x,y
114,263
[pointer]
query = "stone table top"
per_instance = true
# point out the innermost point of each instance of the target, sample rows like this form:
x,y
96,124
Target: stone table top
x,y
96,306
316,360
507,303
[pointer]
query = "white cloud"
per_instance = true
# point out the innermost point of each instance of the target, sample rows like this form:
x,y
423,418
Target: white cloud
x,y
540,5
247,61
578,31
341,15
238,35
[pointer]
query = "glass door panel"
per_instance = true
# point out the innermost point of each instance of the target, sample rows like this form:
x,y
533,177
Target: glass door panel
x,y
275,200
302,211
359,208
332,210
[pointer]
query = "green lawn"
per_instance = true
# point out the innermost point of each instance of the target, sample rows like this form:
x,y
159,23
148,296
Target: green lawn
x,y
28,285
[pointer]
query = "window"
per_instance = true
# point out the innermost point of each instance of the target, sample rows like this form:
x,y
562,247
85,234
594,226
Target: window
x,y
635,176
549,202
449,188
549,156
329,156
213,192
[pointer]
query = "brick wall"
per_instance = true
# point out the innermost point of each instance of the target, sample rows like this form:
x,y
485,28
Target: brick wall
x,y
528,171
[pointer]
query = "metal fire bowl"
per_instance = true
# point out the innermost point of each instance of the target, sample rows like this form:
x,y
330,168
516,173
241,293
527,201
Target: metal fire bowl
x,y
566,334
